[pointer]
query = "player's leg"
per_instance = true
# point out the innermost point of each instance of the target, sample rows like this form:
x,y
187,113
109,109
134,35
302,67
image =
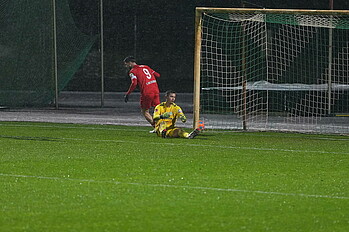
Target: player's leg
x,y
161,129
177,133
155,102
148,116
156,99
193,134
172,133
146,103
183,134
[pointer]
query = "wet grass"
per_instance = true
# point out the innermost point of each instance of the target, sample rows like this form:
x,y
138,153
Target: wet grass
x,y
67,177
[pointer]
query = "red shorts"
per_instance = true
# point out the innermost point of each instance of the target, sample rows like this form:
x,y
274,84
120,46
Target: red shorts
x,y
149,100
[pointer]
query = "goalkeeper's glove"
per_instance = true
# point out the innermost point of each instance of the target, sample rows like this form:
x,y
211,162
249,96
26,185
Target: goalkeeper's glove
x,y
165,115
183,118
126,98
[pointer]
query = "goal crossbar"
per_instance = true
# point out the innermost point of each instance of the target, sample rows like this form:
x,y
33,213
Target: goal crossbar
x,y
269,11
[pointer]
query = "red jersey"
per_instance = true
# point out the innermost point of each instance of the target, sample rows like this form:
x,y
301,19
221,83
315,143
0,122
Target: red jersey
x,y
145,78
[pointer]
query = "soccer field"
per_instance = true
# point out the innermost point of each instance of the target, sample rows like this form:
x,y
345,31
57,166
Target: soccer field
x,y
70,177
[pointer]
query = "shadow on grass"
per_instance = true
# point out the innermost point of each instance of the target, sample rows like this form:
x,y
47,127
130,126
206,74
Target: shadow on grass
x,y
45,139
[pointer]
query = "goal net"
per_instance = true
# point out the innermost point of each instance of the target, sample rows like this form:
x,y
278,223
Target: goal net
x,y
27,51
285,70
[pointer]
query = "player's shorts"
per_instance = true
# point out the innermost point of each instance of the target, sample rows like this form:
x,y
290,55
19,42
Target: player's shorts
x,y
149,100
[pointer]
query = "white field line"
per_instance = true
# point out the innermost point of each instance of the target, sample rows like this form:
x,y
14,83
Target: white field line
x,y
178,186
344,138
181,144
74,127
283,135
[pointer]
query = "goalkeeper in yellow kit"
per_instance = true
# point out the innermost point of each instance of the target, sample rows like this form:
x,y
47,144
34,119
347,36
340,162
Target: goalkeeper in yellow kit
x,y
165,117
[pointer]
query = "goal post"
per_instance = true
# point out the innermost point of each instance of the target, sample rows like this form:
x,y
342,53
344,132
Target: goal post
x,y
272,69
198,18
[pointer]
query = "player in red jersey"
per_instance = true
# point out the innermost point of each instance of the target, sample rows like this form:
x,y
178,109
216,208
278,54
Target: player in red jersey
x,y
145,78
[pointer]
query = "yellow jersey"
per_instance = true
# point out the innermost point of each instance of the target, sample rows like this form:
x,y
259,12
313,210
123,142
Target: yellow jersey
x,y
174,110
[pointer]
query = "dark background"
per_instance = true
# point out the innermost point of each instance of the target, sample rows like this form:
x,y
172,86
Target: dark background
x,y
159,33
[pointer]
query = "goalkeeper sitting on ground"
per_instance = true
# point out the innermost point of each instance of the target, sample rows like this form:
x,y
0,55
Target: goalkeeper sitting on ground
x,y
165,117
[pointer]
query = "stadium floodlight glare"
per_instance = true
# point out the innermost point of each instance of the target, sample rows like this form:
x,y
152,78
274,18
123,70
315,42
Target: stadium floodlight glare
x,y
272,69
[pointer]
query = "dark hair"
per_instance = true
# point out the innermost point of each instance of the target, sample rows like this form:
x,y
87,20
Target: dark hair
x,y
129,59
168,92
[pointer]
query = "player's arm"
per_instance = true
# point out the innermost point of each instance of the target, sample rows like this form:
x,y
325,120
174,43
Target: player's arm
x,y
157,114
156,74
133,84
181,115
132,87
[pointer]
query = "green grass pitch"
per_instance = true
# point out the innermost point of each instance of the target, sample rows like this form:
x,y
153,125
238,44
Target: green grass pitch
x,y
67,177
